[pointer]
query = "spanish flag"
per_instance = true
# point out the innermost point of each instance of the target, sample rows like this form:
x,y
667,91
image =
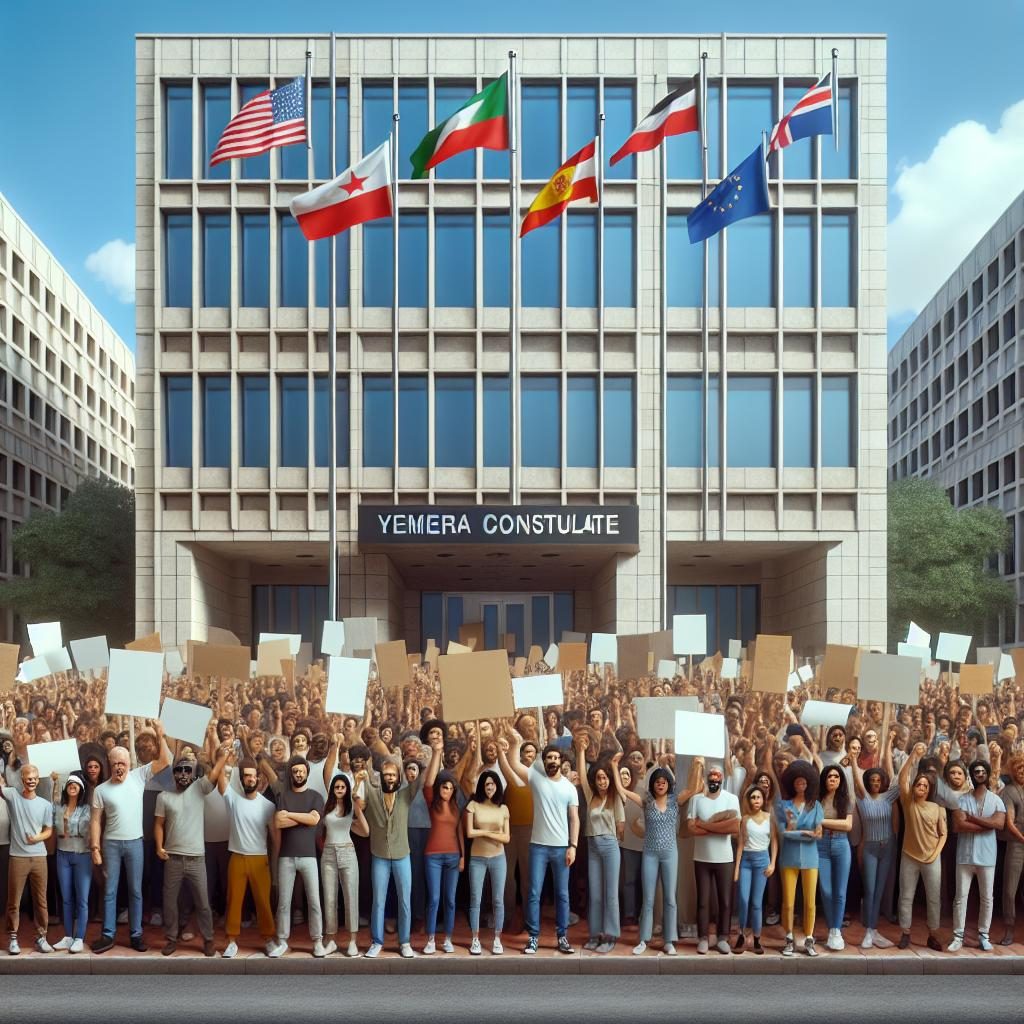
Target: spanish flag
x,y
575,179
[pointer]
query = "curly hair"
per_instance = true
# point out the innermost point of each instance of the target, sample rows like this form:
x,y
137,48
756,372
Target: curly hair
x,y
799,770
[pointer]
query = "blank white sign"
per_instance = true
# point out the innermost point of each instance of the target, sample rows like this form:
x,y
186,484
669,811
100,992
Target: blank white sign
x,y
655,716
91,654
825,712
730,667
133,683
918,637
333,639
889,677
360,635
667,669
689,634
347,681
45,637
185,721
699,735
914,651
537,691
60,756
952,647
173,662
551,656
604,649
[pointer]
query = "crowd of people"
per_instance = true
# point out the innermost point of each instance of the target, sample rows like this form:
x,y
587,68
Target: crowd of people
x,y
415,827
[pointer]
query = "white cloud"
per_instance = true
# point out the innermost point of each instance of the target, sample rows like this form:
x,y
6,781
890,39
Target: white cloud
x,y
950,200
114,264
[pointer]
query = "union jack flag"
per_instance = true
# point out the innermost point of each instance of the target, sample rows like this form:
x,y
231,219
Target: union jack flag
x,y
812,115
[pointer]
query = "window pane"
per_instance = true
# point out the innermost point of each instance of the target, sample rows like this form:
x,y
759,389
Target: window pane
x,y
619,120
454,421
455,260
750,619
686,266
378,278
255,259
490,618
751,111
322,420
293,412
514,624
581,422
217,421
541,130
540,267
799,158
216,114
707,604
453,608
837,422
844,163
217,260
178,421
378,429
293,263
412,260
255,421
798,422
255,167
497,413
178,259
321,259
685,421
322,129
540,620
412,108
541,422
496,257
798,258
752,262
619,259
412,421
565,607
684,159
178,131
448,97
728,617
431,619
751,422
581,268
378,106
581,115
619,422
837,242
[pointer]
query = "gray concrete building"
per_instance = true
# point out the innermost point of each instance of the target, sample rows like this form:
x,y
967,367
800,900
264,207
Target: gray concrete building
x,y
67,391
232,351
955,381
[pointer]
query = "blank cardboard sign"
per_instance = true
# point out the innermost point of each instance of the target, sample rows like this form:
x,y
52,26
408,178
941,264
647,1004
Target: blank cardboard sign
x,y
538,691
360,635
534,656
976,679
824,713
989,655
221,661
347,682
475,685
633,651
656,716
9,655
269,656
771,663
889,677
572,657
840,666
150,642
689,634
699,735
133,683
183,720
392,664
471,635
952,647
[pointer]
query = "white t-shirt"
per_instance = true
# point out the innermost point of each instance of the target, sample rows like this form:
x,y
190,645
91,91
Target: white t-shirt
x,y
249,821
552,799
121,803
712,849
30,817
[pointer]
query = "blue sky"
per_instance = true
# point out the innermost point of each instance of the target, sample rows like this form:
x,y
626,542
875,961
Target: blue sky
x,y
956,138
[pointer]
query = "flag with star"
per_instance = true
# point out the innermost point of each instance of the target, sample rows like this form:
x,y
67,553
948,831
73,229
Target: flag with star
x,y
360,193
744,193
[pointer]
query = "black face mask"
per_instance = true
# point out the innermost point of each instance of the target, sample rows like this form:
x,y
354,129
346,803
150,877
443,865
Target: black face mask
x,y
389,785
714,785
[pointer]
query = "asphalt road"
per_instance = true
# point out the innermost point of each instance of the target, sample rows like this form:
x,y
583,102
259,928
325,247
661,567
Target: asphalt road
x,y
622,999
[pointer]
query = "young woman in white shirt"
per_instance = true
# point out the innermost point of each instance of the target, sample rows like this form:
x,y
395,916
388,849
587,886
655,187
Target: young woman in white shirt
x,y
756,853
486,822
342,817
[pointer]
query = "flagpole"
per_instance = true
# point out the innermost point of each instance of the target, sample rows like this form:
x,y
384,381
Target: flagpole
x,y
835,96
394,302
600,306
705,334
513,298
332,372
309,100
663,346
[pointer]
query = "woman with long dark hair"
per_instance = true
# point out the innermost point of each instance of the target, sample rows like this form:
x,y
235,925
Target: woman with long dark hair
x,y
445,852
71,815
486,822
341,818
798,817
756,853
834,853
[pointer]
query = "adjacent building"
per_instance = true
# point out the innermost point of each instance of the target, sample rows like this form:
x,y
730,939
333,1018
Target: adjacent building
x,y
780,529
955,380
67,391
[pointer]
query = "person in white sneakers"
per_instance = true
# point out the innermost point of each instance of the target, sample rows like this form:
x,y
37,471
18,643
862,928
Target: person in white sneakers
x,y
74,865
31,826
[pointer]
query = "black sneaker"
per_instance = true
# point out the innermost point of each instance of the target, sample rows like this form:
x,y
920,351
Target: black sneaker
x,y
563,945
139,944
531,945
105,942
169,948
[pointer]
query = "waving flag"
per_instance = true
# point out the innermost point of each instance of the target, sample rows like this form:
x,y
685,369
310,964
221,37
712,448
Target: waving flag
x,y
575,179
676,114
812,115
273,118
743,194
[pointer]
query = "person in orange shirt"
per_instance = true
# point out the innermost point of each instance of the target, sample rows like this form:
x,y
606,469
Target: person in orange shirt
x,y
445,852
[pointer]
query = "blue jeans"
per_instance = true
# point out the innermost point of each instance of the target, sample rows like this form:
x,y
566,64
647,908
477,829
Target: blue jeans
x,y
382,871
665,862
833,875
540,858
442,874
129,853
878,858
74,872
750,888
479,868
603,860
417,846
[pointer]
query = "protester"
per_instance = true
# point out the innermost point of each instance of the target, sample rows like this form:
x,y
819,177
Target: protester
x,y
74,865
756,854
342,818
31,825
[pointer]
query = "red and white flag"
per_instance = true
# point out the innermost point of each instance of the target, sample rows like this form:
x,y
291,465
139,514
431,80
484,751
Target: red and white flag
x,y
676,114
358,194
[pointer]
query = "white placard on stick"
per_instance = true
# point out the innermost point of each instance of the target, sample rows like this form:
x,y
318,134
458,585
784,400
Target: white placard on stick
x,y
45,637
952,647
1005,669
735,649
537,691
183,720
689,634
133,683
333,641
655,716
806,673
888,677
174,663
347,681
58,660
604,648
918,637
825,713
551,656
91,654
931,671
914,651
360,635
730,668
699,735
792,681
667,669
60,756
33,669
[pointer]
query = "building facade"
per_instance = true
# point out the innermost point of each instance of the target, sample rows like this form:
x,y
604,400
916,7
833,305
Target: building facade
x,y
232,342
67,391
955,379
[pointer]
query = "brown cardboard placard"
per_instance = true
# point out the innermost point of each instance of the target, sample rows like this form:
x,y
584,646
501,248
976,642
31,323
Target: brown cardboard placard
x,y
840,667
572,657
519,668
415,660
288,671
976,679
650,661
454,648
661,646
771,663
269,656
431,654
392,664
475,685
535,655
471,635
146,643
509,640
632,658
10,655
222,661
216,635
1017,654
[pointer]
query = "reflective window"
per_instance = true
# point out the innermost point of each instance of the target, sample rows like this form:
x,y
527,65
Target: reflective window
x,y
798,421
619,422
454,260
837,259
619,120
256,168
751,111
255,420
684,157
686,266
448,97
541,421
293,414
454,421
799,157
217,421
837,421
842,164
255,231
686,421
217,260
496,259
413,435
178,421
322,129
216,114
751,422
733,613
378,435
619,259
581,115
378,106
541,133
541,286
177,131
412,108
378,429
798,258
322,419
581,421
751,259
292,263
321,264
497,413
178,259
412,261
581,259
565,606
378,277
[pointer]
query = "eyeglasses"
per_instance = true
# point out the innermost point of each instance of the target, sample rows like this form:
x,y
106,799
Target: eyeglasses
x,y
182,769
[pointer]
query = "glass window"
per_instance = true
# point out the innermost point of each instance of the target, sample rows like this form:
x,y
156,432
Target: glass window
x,y
216,114
798,421
321,265
541,285
685,421
497,413
751,111
378,278
837,259
378,107
178,421
686,266
619,120
541,130
837,420
540,620
454,421
581,422
799,157
293,263
619,422
178,131
751,262
684,158
581,110
454,260
255,230
217,421
322,129
412,256
750,608
619,259
581,261
412,108
541,421
322,419
378,429
255,420
217,260
178,259
798,258
496,257
412,421
293,413
256,167
751,422
448,97
564,614
431,618
844,163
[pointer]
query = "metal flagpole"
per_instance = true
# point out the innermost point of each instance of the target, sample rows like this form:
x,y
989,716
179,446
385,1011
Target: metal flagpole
x,y
513,298
835,97
705,335
309,101
394,302
663,346
600,305
332,374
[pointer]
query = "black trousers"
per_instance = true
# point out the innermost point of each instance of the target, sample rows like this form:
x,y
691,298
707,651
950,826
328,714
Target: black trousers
x,y
719,876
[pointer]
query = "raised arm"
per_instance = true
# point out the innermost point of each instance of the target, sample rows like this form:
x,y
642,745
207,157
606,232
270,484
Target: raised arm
x,y
581,741
909,769
217,773
517,767
163,757
694,782
624,794
436,751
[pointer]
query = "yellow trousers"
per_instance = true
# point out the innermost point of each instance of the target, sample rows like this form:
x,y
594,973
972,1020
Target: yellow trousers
x,y
253,872
810,885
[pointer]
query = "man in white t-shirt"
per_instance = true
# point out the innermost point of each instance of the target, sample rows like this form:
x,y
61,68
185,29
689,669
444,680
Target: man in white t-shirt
x,y
117,816
553,841
713,817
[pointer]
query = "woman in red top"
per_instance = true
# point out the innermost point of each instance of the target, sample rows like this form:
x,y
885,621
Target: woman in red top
x,y
445,853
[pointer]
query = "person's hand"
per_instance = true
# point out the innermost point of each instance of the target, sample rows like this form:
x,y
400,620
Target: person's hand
x,y
361,776
570,856
845,762
162,853
462,864
97,858
769,871
919,751
582,741
158,728
503,745
616,758
281,819
790,820
437,743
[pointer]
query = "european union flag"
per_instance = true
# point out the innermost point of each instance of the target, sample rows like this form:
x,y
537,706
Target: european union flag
x,y
743,194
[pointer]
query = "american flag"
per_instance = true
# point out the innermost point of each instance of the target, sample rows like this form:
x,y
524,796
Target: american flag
x,y
273,118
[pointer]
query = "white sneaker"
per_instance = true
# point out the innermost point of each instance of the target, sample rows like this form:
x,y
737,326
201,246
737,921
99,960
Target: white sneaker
x,y
77,946
13,949
881,941
374,951
475,949
122,918
319,951
668,949
187,936
230,950
64,943
42,946
353,949
278,949
270,946
869,939
497,948
429,949
640,948
331,947
955,946
406,951
156,919
839,942
447,946
983,942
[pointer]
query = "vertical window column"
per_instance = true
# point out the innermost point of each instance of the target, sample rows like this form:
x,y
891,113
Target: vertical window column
x,y
178,421
216,421
178,260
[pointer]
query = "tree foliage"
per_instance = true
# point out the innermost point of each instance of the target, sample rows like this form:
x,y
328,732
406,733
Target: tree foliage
x,y
82,564
938,562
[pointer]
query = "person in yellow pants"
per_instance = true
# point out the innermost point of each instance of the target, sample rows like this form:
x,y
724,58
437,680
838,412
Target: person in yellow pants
x,y
799,816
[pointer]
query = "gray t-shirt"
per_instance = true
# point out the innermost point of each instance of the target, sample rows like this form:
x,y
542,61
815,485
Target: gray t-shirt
x,y
28,817
249,821
182,812
121,804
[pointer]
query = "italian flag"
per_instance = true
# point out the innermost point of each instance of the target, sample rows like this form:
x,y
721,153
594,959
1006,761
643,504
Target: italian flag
x,y
481,123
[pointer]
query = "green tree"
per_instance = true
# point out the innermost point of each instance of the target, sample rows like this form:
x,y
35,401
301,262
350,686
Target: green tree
x,y
82,564
939,558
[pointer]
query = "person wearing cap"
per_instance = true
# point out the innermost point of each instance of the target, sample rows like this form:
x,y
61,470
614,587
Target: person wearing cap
x,y
74,865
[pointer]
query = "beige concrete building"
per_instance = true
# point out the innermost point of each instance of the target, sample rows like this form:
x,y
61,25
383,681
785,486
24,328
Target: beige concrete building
x,y
232,344
67,391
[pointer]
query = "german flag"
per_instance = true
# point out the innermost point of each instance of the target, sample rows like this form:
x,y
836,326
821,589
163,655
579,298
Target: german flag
x,y
575,179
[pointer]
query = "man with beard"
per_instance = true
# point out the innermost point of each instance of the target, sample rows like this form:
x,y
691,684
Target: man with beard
x,y
251,821
553,841
178,835
298,815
